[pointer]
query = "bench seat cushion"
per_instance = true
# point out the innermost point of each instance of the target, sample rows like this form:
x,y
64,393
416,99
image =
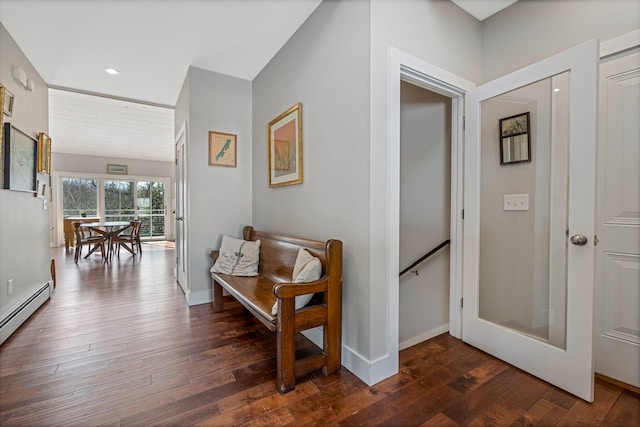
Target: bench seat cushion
x,y
256,291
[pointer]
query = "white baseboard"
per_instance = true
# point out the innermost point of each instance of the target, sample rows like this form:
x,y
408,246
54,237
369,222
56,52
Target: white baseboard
x,y
370,372
199,297
20,312
424,336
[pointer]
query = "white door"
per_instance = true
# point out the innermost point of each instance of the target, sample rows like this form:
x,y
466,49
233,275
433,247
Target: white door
x,y
181,210
617,318
528,266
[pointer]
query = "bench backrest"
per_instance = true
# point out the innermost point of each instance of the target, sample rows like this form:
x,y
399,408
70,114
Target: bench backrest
x,y
278,254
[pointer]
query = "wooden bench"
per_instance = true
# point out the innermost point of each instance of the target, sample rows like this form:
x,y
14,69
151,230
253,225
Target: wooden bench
x,y
258,294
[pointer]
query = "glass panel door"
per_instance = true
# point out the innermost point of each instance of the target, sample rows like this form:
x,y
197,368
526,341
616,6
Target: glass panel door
x,y
523,210
151,208
529,218
119,200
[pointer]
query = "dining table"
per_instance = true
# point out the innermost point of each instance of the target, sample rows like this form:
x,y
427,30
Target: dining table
x,y
107,229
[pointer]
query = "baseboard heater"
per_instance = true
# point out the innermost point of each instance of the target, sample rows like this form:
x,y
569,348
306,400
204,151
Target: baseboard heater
x,y
17,317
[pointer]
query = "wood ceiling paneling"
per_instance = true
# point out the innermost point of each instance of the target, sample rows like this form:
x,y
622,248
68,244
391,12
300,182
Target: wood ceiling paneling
x,y
98,126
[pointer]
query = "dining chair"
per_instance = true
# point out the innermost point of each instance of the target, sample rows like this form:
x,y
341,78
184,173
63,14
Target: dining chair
x,y
129,239
85,238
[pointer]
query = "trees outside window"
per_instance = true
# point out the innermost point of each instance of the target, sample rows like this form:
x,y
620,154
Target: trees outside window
x,y
79,196
151,208
117,200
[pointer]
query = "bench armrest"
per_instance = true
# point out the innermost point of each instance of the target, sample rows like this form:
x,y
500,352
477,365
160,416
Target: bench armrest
x,y
290,290
214,255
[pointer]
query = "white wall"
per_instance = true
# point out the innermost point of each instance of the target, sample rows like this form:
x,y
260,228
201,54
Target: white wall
x,y
182,108
324,66
530,30
65,162
24,224
442,34
425,200
219,197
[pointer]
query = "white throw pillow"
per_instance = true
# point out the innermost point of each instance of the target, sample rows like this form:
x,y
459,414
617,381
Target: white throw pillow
x,y
237,257
306,269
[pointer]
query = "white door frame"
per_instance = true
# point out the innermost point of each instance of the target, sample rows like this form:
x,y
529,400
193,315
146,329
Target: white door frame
x,y
405,67
181,137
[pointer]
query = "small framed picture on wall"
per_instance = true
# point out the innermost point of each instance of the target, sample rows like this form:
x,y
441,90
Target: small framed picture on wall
x,y
222,149
515,139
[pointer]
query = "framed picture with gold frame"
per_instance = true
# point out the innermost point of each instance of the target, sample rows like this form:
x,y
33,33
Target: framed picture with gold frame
x,y
285,148
6,101
44,153
222,149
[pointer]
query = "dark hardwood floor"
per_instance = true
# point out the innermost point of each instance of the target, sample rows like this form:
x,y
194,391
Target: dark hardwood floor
x,y
117,345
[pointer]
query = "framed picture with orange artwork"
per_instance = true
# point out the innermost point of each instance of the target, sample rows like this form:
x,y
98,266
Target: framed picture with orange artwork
x,y
285,148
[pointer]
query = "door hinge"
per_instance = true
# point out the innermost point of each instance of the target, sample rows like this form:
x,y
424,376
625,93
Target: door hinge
x,y
596,240
462,213
461,302
464,122
176,160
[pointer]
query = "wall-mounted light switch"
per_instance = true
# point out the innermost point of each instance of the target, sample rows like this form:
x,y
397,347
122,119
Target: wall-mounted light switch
x,y
516,202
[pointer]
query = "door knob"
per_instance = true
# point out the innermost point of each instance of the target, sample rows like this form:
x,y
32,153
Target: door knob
x,y
579,239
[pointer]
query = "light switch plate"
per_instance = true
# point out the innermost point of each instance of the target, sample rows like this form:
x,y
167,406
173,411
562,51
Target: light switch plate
x,y
516,202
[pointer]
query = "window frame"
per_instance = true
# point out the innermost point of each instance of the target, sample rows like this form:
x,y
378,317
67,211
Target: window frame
x,y
57,178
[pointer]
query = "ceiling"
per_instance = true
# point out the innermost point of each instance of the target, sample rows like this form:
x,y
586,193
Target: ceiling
x,y
151,43
93,125
482,9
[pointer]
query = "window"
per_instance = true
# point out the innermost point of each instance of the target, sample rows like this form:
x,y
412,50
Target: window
x,y
151,208
117,200
79,196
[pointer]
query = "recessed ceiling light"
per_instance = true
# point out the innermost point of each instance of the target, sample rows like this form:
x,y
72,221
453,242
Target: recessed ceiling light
x,y
111,71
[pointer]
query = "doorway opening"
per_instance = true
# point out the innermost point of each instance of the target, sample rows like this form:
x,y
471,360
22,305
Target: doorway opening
x,y
409,69
425,214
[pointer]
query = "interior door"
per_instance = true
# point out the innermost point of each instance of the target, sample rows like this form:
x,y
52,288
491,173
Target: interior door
x,y
617,295
180,213
528,268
